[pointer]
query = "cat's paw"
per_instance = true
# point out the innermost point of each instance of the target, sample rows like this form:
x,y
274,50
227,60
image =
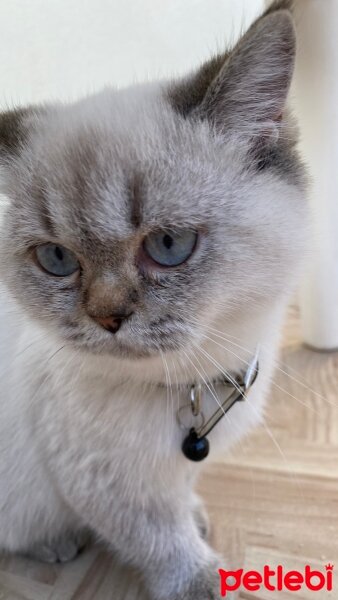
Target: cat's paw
x,y
205,586
62,549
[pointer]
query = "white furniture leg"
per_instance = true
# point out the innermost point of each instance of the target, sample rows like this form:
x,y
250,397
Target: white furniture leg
x,y
316,99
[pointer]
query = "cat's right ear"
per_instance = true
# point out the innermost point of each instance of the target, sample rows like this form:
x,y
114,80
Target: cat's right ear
x,y
14,129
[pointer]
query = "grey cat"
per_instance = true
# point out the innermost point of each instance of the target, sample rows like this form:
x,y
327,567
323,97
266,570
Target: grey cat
x,y
151,235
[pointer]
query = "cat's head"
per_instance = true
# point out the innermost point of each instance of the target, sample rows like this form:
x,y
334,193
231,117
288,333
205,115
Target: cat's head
x,y
137,217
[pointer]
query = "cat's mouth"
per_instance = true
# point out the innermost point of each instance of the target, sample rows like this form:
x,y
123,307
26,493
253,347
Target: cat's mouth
x,y
129,344
135,339
123,349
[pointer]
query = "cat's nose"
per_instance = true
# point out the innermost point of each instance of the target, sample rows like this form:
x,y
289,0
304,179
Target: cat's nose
x,y
113,322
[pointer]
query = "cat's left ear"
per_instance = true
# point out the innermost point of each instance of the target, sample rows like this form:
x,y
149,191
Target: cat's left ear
x,y
247,94
250,92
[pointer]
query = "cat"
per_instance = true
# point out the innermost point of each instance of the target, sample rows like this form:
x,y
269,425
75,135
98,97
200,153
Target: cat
x,y
150,240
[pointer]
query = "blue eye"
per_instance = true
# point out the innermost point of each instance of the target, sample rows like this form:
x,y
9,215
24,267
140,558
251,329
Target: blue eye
x,y
57,260
170,248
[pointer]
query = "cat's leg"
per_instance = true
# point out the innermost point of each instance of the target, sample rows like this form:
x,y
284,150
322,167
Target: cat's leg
x,y
177,564
163,541
34,518
35,521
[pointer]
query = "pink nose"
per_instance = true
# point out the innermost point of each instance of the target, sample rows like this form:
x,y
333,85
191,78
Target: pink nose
x,y
112,323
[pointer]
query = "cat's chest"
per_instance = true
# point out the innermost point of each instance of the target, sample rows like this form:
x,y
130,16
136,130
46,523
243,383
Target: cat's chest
x,y
101,436
107,417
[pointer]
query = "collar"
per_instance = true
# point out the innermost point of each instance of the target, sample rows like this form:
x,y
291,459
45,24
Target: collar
x,y
196,445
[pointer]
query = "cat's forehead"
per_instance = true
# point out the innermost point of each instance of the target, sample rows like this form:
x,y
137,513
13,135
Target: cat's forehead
x,y
119,159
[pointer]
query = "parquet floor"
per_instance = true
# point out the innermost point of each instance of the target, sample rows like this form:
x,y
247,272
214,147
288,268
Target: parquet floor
x,y
273,500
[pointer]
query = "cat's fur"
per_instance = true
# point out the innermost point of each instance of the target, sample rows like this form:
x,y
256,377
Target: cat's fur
x,y
88,432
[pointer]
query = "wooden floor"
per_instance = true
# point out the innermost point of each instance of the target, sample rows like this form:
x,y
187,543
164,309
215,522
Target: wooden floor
x,y
274,500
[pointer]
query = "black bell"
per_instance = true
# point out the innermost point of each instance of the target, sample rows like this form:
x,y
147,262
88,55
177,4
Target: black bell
x,y
195,448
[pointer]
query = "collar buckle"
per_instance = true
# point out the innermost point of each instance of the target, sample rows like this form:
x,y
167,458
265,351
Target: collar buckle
x,y
196,446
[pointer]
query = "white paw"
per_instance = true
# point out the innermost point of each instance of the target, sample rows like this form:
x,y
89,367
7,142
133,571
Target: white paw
x,y
61,549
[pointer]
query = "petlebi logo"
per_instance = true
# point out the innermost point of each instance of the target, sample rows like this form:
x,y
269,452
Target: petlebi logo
x,y
276,580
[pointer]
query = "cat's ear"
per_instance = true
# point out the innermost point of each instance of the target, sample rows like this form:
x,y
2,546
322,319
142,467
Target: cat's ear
x,y
249,93
14,128
247,88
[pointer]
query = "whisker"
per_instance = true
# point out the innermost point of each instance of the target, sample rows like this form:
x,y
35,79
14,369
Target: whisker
x,y
215,332
266,428
168,386
276,366
208,387
21,352
309,407
177,385
227,414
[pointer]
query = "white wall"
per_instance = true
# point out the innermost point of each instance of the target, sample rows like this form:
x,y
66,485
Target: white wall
x,y
63,48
